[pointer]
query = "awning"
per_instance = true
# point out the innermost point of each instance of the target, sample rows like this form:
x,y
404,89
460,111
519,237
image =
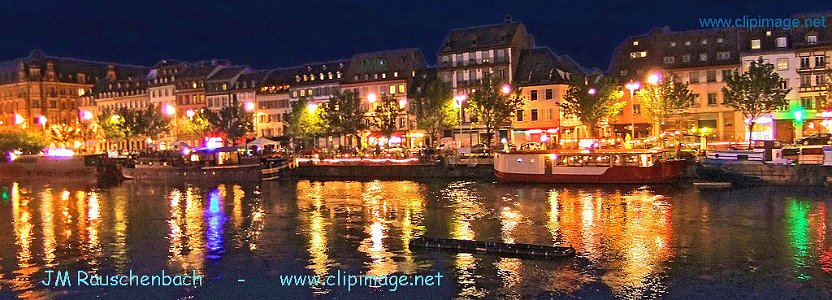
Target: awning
x,y
377,134
262,142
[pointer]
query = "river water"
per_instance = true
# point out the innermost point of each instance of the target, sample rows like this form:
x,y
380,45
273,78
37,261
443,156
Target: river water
x,y
632,242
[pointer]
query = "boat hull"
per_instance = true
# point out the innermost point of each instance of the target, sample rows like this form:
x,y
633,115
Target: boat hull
x,y
664,171
254,172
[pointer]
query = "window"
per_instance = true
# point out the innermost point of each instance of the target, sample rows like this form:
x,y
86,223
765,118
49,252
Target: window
x,y
784,84
807,102
804,62
623,72
696,100
712,99
719,40
635,43
693,77
639,54
704,41
392,90
811,39
401,88
686,58
519,115
781,42
820,80
669,59
637,109
672,44
549,94
703,56
533,95
687,43
710,76
782,64
723,55
755,44
534,115
550,114
805,81
820,61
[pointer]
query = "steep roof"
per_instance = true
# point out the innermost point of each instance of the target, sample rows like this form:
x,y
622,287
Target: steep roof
x,y
481,37
393,64
67,69
541,66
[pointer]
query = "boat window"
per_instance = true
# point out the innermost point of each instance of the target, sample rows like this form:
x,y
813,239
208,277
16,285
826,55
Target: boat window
x,y
631,160
618,160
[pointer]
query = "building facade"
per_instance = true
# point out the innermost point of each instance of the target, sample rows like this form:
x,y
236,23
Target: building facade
x,y
273,103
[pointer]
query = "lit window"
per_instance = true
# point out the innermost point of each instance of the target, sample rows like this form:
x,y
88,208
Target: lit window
x,y
672,44
719,40
395,74
704,41
755,44
392,89
635,43
781,42
669,59
812,39
782,64
401,88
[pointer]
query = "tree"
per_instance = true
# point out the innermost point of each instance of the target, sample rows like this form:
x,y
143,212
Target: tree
x,y
121,124
591,99
385,117
24,140
434,108
666,98
64,134
152,123
194,126
343,115
232,121
755,92
303,122
491,107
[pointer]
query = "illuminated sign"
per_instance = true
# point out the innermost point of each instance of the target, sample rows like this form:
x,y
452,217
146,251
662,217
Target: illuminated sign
x,y
213,142
373,65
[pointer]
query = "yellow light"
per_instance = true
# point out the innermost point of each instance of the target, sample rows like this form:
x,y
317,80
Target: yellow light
x,y
115,118
371,97
312,107
506,89
18,119
190,113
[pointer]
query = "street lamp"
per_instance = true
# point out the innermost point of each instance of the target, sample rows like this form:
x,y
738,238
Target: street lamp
x,y
311,107
653,79
18,119
190,113
459,99
506,89
633,87
371,97
86,115
42,121
249,106
592,91
169,110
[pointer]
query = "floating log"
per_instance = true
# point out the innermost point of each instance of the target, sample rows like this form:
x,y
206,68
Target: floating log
x,y
712,185
493,247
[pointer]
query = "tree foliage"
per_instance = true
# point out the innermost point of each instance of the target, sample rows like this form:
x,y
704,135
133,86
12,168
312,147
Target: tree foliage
x,y
28,141
195,126
755,93
152,122
666,98
434,108
64,134
232,121
386,115
343,115
491,108
303,122
591,99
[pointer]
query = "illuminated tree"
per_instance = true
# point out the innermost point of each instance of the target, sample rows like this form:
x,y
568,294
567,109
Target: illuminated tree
x,y
434,108
194,126
303,122
755,93
64,134
493,106
665,98
24,140
385,117
342,115
232,121
152,123
592,99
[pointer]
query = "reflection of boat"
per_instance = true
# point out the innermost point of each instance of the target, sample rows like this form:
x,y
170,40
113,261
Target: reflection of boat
x,y
585,166
207,164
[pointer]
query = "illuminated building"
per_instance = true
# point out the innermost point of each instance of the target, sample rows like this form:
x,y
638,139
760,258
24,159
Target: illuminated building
x,y
813,51
218,87
467,55
272,103
131,94
190,85
543,78
317,82
376,75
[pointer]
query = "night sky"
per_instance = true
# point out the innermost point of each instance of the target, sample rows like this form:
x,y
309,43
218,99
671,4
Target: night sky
x,y
269,34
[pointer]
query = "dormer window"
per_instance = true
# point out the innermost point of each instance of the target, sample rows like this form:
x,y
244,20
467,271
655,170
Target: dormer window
x,y
635,42
811,39
755,44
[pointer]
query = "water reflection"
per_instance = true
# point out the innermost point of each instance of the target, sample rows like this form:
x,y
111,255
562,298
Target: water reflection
x,y
631,243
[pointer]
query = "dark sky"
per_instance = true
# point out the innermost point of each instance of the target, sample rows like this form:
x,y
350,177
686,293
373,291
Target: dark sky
x,y
268,34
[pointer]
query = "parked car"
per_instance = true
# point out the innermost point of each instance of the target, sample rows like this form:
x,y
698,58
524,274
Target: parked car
x,y
531,146
816,139
479,148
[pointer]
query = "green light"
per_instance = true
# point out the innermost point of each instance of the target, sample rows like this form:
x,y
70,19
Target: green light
x,y
798,116
797,223
5,195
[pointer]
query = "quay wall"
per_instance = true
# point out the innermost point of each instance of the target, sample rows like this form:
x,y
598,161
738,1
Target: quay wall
x,y
36,167
756,174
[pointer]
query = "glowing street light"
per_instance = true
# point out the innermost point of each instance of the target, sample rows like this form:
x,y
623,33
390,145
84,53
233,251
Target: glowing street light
x,y
653,79
249,106
42,120
371,97
115,118
506,89
18,119
190,113
86,115
402,103
592,91
311,107
170,110
633,86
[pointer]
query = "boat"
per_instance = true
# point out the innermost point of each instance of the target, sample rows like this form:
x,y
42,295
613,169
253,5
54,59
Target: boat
x,y
206,165
588,166
507,249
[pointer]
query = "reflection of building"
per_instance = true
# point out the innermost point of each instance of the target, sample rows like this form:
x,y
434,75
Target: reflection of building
x,y
376,75
700,58
544,78
468,55
272,103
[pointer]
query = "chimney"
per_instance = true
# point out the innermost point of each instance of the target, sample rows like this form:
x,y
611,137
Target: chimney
x,y
21,72
508,19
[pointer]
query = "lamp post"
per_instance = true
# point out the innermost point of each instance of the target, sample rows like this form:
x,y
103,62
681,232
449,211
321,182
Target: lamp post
x,y
633,87
459,99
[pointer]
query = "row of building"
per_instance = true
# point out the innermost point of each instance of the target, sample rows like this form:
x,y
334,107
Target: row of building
x,y
40,89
